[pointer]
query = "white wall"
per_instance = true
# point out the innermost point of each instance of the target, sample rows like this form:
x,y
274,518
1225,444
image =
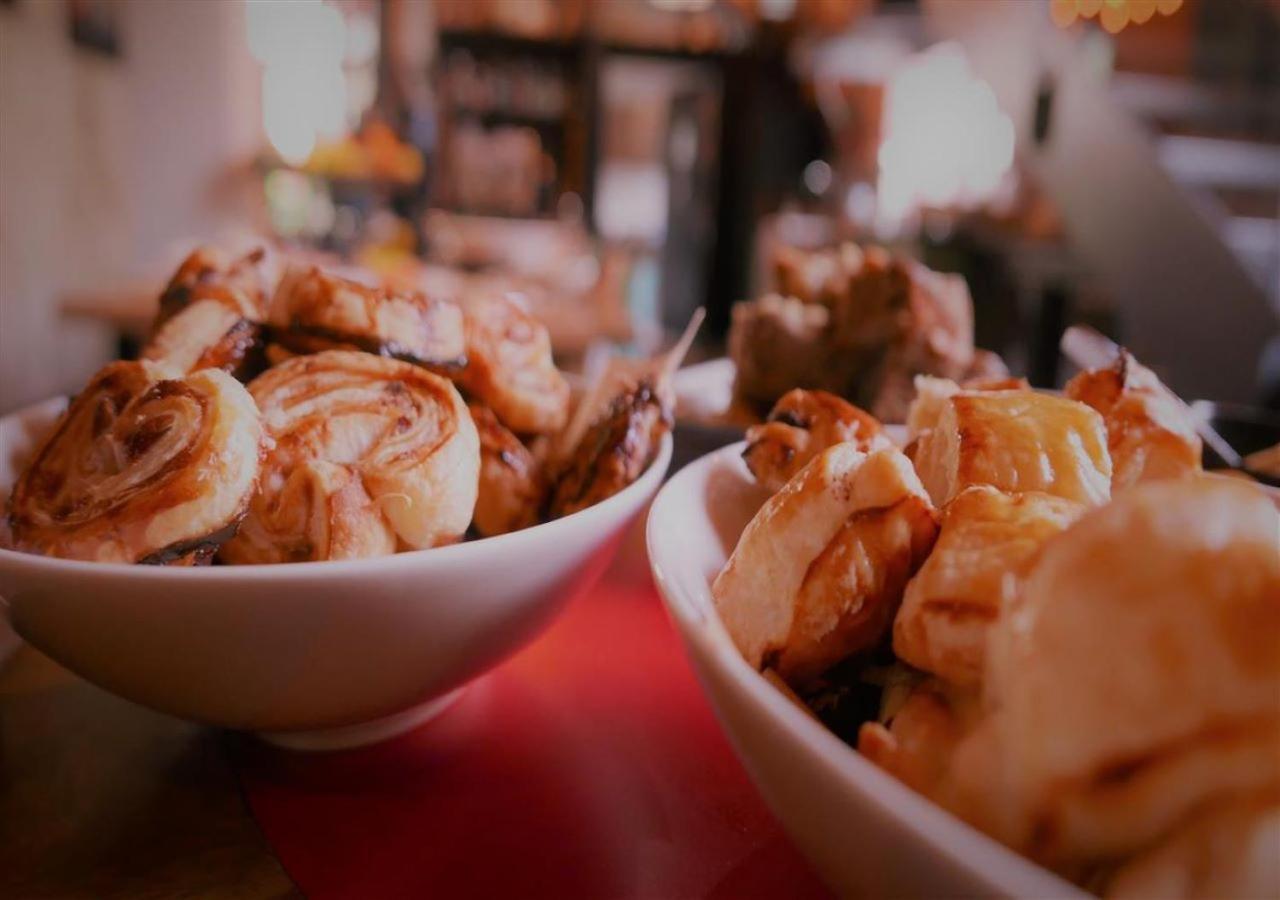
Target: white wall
x,y
107,166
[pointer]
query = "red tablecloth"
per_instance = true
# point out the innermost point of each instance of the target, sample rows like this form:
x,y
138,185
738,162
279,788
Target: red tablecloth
x,y
589,765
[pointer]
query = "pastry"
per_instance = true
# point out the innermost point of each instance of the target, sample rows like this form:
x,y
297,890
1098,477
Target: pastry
x,y
799,427
211,315
509,365
818,573
145,466
313,311
987,542
1134,678
512,486
369,455
614,451
1016,441
1149,430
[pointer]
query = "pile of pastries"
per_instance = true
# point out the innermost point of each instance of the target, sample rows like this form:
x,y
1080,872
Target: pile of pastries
x,y
860,323
1068,633
311,417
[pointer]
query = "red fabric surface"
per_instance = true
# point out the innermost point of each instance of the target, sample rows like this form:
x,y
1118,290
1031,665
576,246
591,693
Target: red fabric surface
x,y
589,765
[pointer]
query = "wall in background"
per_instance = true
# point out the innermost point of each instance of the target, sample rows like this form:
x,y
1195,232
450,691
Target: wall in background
x,y
110,167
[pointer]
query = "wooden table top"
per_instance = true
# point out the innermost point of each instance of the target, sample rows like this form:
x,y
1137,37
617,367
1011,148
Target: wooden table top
x,y
101,798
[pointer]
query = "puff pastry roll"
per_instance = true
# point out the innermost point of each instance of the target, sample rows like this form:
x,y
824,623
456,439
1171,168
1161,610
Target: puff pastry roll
x,y
512,486
917,743
143,467
1232,850
314,311
1134,678
800,426
614,451
509,365
1016,441
818,573
987,543
1149,431
369,455
932,393
211,315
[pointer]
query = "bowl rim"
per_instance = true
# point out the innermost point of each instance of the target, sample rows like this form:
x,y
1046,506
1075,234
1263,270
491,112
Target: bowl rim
x,y
692,608
459,553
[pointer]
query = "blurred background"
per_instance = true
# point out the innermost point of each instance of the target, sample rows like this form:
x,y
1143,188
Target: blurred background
x,y
1112,162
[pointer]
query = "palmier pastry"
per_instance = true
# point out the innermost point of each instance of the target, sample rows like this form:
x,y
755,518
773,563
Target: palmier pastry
x,y
211,315
512,486
987,543
1016,441
1134,677
142,467
313,311
1149,431
818,573
370,455
614,451
800,426
509,365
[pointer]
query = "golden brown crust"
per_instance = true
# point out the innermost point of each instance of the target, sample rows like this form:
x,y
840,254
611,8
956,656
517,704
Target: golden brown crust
x,y
313,311
918,743
819,571
614,452
1016,441
1134,677
1149,431
988,542
509,365
141,468
512,486
207,274
210,315
800,426
1229,850
369,454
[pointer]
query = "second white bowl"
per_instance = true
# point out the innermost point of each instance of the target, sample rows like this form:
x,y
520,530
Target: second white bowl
x,y
866,833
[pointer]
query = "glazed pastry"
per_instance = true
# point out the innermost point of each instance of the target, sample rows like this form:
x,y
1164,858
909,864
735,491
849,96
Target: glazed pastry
x,y
207,274
917,742
1134,678
512,486
1016,441
800,426
1228,851
614,451
315,311
211,315
1149,431
143,467
509,365
932,394
818,573
369,455
987,543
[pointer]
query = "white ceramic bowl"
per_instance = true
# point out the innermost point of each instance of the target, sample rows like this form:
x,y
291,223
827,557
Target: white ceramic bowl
x,y
866,833
314,654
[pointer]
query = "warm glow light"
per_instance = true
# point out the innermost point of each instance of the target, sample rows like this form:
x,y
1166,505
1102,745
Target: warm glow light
x,y
301,45
1063,12
1113,15
1141,11
946,142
